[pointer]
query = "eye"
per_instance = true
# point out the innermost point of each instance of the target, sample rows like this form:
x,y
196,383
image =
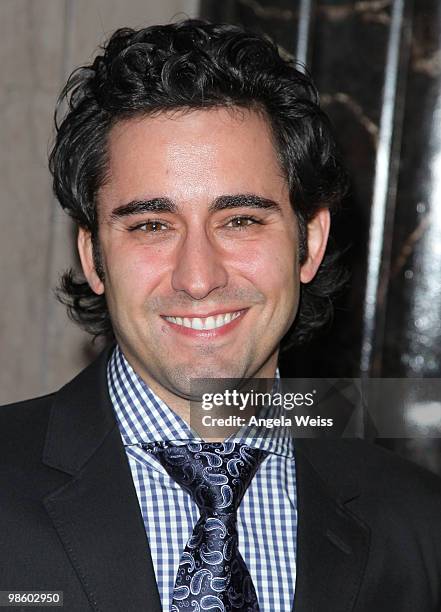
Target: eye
x,y
151,226
242,222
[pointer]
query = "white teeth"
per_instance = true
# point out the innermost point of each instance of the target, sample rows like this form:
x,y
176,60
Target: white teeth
x,y
197,323
207,323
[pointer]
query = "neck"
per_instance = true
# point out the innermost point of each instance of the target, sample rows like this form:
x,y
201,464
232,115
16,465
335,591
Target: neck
x,y
187,408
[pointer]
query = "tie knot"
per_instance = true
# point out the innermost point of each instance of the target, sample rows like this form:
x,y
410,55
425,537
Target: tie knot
x,y
215,474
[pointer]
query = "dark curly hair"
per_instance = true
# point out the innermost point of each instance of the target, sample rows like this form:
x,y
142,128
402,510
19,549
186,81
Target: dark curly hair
x,y
192,65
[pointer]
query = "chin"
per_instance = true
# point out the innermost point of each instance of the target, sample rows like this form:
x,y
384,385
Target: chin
x,y
190,380
209,371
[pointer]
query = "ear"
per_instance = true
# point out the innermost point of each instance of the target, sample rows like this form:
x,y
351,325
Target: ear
x,y
317,238
85,250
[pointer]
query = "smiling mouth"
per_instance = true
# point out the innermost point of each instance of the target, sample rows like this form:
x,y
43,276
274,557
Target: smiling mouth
x,y
205,323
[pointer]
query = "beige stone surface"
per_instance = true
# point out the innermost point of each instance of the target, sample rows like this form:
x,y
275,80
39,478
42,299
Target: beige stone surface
x,y
41,42
92,22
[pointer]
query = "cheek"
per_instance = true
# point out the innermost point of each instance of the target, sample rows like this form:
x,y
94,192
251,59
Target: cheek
x,y
132,274
274,270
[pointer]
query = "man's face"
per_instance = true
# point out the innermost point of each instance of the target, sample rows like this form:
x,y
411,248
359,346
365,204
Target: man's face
x,y
199,247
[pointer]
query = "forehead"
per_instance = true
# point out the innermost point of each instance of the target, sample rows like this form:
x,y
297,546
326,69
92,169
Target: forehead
x,y
188,155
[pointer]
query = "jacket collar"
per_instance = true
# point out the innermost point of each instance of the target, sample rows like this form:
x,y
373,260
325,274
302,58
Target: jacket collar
x,y
96,513
332,542
81,418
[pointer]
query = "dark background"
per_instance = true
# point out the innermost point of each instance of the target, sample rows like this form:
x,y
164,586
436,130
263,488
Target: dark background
x,y
377,66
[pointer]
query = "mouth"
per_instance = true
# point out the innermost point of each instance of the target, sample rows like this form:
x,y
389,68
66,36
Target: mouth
x,y
210,323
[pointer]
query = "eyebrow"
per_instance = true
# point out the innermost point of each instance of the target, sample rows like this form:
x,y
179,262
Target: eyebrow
x,y
223,202
137,207
249,200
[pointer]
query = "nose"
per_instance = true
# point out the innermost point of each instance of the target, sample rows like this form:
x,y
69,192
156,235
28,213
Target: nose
x,y
199,268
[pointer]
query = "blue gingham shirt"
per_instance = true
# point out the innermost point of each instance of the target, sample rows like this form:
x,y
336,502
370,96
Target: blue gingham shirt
x,y
267,515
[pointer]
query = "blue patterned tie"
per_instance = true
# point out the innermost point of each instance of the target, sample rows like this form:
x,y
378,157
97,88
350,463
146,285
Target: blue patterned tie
x,y
212,574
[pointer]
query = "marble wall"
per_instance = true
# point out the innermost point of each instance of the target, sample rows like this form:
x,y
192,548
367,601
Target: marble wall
x,y
349,76
346,55
377,65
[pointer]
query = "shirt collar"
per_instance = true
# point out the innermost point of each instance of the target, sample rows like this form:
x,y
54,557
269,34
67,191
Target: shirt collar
x,y
144,418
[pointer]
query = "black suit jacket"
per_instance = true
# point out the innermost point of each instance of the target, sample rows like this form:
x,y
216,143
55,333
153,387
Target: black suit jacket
x,y
369,528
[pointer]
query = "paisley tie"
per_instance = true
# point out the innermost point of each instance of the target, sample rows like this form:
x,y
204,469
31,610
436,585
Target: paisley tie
x,y
212,574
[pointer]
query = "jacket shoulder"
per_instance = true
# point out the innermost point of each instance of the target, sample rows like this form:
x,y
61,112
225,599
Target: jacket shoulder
x,y
377,472
26,409
383,467
23,426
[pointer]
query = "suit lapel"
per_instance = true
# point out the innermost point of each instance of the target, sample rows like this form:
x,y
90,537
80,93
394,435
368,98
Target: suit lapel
x,y
332,544
96,513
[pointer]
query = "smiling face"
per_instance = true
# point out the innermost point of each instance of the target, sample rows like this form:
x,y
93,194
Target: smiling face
x,y
199,247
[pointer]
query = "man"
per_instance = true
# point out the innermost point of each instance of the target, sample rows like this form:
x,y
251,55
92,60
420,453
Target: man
x,y
201,173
